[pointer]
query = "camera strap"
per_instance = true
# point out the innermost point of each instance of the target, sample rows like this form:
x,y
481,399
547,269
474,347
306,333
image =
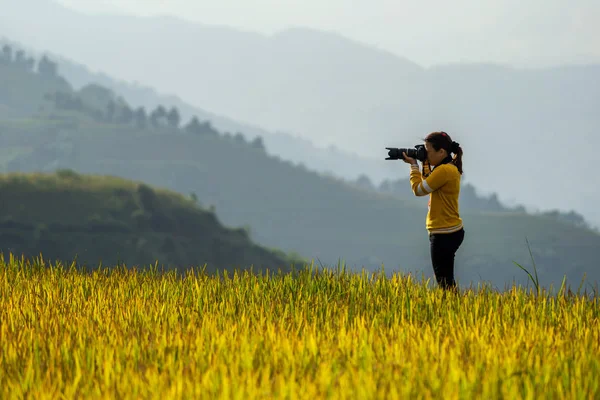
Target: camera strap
x,y
446,160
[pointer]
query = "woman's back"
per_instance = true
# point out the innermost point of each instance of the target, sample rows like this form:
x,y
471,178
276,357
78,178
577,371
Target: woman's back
x,y
443,214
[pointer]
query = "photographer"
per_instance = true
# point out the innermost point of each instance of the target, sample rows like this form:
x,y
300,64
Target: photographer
x,y
442,184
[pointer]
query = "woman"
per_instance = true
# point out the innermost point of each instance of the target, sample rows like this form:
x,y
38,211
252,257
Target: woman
x,y
442,184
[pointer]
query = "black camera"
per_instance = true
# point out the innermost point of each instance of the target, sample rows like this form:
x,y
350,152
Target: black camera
x,y
418,153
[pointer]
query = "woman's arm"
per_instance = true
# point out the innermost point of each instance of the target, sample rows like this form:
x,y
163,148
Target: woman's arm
x,y
422,187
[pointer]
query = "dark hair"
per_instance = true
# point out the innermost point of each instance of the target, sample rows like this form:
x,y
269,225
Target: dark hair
x,y
441,140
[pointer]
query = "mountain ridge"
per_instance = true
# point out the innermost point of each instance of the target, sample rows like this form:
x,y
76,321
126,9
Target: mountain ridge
x,y
286,206
329,161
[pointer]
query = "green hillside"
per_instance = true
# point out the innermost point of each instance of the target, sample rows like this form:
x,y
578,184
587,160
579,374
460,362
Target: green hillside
x,y
93,131
109,220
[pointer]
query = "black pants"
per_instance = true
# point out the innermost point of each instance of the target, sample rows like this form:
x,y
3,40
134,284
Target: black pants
x,y
443,247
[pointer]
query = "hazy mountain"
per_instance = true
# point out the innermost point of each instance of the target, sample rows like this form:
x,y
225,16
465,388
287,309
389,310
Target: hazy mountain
x,y
330,160
518,127
301,151
94,130
537,33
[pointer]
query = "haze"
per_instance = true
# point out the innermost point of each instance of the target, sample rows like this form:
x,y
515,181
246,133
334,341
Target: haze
x,y
530,33
519,88
518,84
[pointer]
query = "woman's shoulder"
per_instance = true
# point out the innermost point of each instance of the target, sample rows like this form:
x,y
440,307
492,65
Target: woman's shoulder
x,y
450,168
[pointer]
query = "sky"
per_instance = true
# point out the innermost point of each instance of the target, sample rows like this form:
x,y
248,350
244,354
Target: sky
x,y
425,31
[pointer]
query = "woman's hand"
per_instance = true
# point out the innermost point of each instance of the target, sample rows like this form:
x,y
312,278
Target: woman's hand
x,y
409,160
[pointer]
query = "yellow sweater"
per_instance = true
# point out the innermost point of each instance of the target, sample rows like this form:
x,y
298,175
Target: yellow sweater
x,y
443,188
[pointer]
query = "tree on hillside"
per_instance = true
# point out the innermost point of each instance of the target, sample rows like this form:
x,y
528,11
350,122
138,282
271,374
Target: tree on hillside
x,y
98,115
111,109
65,101
30,64
173,117
157,115
47,68
385,186
125,115
208,129
570,217
140,117
193,127
19,56
257,143
364,182
19,59
96,95
7,54
196,128
147,197
239,138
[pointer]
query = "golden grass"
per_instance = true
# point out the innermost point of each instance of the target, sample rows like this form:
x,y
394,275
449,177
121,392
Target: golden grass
x,y
122,333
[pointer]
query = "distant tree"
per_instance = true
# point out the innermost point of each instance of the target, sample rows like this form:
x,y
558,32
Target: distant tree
x,y
153,117
140,117
20,58
96,95
257,143
385,186
193,127
239,138
570,217
47,68
363,181
65,101
161,111
157,115
120,101
111,109
173,118
208,129
30,64
494,203
7,54
125,115
519,208
98,115
77,104
576,219
148,198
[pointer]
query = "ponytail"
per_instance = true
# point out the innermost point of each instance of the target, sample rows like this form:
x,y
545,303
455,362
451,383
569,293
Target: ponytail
x,y
457,160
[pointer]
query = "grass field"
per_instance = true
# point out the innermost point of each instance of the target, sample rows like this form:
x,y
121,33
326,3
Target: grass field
x,y
122,333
